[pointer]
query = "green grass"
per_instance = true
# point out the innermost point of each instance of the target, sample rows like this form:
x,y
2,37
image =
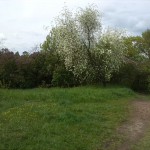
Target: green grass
x,y
83,118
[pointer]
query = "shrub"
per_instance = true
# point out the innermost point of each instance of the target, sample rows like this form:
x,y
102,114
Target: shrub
x,y
142,82
63,78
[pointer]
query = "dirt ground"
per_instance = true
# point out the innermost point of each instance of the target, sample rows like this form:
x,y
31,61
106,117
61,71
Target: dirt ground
x,y
135,128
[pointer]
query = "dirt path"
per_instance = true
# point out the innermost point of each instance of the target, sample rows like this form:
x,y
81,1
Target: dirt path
x,y
136,127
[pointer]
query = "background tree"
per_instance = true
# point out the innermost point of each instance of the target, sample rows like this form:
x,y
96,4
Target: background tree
x,y
135,72
134,45
146,43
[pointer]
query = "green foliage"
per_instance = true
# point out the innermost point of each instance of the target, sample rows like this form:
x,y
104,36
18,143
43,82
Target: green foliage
x,y
135,76
25,71
126,75
76,118
136,70
63,77
142,83
142,80
146,42
134,46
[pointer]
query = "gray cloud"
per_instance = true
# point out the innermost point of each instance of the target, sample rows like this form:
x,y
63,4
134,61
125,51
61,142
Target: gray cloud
x,y
22,21
132,15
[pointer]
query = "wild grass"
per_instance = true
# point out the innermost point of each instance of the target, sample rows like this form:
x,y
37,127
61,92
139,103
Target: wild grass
x,y
83,118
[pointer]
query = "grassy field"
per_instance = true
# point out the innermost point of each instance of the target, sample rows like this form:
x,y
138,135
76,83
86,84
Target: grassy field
x,y
83,118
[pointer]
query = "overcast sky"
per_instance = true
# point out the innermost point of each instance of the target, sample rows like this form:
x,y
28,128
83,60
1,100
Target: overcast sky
x,y
23,22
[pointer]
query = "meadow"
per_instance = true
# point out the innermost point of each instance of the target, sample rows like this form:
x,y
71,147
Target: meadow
x,y
81,118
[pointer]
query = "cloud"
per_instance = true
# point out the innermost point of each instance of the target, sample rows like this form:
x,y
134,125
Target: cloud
x,y
132,15
22,21
2,36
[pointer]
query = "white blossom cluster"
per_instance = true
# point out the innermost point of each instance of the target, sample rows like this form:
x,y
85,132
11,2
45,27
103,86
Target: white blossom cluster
x,y
111,47
80,44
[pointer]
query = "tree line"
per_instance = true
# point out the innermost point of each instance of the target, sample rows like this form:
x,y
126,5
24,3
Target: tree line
x,y
78,51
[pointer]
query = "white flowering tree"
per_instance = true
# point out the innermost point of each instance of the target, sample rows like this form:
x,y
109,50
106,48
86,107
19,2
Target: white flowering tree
x,y
89,25
109,53
81,46
76,37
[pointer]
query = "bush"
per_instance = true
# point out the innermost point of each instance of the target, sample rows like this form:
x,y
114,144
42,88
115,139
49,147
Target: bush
x,y
142,83
63,78
126,75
